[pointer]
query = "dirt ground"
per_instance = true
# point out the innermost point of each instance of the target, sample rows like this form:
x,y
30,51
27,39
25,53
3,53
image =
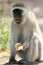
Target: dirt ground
x,y
4,58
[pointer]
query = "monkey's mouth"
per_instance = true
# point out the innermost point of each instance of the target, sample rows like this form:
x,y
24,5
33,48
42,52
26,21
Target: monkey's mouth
x,y
18,21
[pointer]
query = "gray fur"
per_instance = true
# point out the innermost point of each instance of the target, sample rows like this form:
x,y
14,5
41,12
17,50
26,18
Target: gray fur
x,y
24,33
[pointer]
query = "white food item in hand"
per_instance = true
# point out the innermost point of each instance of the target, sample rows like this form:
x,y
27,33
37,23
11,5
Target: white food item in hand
x,y
20,48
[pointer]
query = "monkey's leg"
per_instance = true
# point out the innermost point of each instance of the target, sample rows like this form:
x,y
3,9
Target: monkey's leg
x,y
12,52
12,57
37,48
12,60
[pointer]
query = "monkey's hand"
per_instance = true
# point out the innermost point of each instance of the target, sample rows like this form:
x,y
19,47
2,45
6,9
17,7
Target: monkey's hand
x,y
25,45
18,47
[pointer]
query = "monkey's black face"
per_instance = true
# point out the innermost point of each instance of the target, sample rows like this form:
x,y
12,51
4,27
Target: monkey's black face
x,y
17,13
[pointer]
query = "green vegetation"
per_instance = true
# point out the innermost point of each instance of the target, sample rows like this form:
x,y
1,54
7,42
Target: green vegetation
x,y
1,11
5,24
4,31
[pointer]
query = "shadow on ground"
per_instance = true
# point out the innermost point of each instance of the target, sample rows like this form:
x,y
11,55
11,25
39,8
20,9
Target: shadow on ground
x,y
36,63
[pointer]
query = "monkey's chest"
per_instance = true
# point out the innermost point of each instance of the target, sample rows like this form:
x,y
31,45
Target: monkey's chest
x,y
21,38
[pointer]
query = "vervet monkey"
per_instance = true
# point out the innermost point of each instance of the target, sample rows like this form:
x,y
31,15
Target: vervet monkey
x,y
23,26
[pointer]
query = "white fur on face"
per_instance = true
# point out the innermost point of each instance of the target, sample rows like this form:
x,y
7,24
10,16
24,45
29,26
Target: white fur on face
x,y
23,14
24,9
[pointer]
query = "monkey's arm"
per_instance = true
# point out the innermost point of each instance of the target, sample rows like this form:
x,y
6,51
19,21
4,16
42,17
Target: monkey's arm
x,y
13,40
22,47
26,45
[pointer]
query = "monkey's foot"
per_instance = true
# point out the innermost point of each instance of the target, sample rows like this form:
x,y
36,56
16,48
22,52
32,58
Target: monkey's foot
x,y
22,62
12,61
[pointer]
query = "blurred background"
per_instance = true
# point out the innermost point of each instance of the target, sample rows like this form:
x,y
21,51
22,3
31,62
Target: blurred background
x,y
6,18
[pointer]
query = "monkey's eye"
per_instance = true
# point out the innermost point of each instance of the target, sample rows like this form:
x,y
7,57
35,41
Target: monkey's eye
x,y
17,10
